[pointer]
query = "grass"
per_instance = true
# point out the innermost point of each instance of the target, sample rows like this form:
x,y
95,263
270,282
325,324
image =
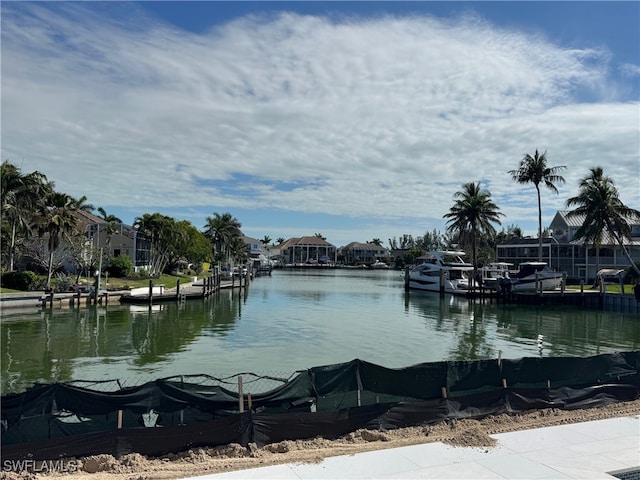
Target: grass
x,y
112,283
628,289
9,290
169,281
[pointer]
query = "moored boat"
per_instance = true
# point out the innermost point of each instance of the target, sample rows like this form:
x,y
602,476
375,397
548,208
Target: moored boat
x,y
378,265
534,276
496,273
441,270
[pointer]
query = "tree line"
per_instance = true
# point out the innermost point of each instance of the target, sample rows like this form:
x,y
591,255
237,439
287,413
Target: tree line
x,y
597,205
40,228
39,224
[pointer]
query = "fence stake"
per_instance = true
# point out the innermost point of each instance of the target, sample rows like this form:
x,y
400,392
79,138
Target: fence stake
x,y
499,358
249,401
444,392
504,383
240,395
548,384
119,419
359,402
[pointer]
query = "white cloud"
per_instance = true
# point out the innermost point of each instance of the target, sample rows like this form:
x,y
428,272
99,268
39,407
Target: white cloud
x,y
131,112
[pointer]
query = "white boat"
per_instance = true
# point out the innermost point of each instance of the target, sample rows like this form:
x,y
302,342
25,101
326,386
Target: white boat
x,y
443,266
261,264
496,273
532,274
378,265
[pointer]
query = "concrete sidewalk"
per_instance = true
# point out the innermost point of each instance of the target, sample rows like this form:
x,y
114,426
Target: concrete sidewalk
x,y
589,450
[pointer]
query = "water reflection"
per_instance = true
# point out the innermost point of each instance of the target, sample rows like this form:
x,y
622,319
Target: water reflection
x,y
485,330
48,346
290,321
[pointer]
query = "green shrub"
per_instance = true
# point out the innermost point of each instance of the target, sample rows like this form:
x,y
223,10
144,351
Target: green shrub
x,y
19,280
62,283
120,267
142,273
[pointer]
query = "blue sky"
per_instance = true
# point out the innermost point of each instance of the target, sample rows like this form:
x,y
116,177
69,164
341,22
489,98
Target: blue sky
x,y
357,120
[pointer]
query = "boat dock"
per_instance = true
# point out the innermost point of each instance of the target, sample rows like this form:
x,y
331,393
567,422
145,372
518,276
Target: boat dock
x,y
198,289
582,297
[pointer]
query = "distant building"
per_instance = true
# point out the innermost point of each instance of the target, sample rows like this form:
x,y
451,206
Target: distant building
x,y
306,249
254,246
566,254
358,253
115,239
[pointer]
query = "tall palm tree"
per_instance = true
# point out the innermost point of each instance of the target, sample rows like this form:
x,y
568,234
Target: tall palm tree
x,y
112,228
473,212
221,230
55,218
599,204
19,197
266,240
535,170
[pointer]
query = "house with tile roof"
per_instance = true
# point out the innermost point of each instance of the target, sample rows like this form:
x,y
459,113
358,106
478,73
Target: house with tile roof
x,y
564,253
306,249
356,253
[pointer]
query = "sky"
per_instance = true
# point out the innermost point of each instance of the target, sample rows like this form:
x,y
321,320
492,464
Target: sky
x,y
356,120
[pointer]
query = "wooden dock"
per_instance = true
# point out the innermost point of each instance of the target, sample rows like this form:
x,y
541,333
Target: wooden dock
x,y
199,290
141,296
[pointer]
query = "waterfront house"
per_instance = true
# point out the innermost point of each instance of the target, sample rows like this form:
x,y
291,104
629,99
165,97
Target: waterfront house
x,y
563,252
356,253
306,250
115,239
255,247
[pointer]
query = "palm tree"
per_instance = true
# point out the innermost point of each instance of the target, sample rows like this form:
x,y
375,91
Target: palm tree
x,y
598,203
280,240
19,196
266,240
221,230
108,217
112,228
473,212
55,218
81,204
535,170
377,241
238,250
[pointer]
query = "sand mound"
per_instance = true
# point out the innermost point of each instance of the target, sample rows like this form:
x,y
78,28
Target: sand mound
x,y
201,461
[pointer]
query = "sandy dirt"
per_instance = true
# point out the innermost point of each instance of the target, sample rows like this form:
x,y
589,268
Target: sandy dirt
x,y
202,461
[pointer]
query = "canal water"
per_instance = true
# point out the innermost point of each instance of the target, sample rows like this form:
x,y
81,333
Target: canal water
x,y
292,320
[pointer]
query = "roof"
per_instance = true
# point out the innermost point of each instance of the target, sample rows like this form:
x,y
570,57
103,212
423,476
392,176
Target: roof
x,y
363,246
528,241
607,239
304,241
573,221
578,220
87,218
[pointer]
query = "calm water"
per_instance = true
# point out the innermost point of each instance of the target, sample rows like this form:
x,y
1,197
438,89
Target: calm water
x,y
290,321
